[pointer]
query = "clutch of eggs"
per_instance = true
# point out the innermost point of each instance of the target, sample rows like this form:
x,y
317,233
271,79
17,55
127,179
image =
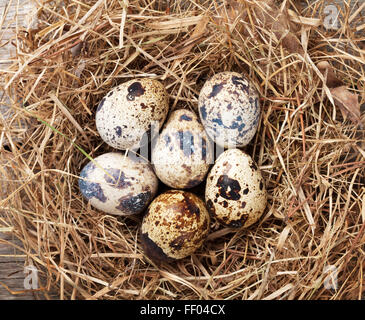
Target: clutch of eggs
x,y
177,222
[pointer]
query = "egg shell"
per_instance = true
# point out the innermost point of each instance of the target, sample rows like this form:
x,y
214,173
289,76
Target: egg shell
x,y
119,184
229,109
175,226
127,115
235,192
183,153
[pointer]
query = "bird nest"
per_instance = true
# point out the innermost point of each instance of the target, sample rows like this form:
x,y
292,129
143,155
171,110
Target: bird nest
x,y
306,59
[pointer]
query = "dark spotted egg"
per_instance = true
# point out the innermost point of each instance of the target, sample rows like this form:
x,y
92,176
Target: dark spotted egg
x,y
229,109
183,153
127,115
175,226
118,184
235,192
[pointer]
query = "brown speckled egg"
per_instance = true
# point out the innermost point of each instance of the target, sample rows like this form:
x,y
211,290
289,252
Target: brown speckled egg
x,y
175,225
183,153
229,109
235,192
118,184
125,115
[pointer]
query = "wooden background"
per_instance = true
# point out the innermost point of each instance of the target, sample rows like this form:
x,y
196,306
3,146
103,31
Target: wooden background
x,y
12,261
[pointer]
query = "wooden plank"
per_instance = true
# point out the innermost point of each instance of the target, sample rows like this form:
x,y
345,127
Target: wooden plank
x,y
13,14
15,284
12,271
12,18
8,253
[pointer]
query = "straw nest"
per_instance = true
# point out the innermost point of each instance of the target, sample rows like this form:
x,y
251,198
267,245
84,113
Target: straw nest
x,y
310,145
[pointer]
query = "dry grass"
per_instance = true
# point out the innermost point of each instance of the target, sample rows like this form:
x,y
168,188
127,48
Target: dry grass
x,y
313,159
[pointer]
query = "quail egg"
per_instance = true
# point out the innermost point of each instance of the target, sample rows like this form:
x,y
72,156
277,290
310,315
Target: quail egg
x,y
183,153
235,192
229,109
175,225
130,111
118,184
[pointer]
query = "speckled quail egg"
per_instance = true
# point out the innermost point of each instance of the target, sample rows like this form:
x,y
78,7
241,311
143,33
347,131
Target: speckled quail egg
x,y
229,109
235,192
175,226
118,184
127,114
183,153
